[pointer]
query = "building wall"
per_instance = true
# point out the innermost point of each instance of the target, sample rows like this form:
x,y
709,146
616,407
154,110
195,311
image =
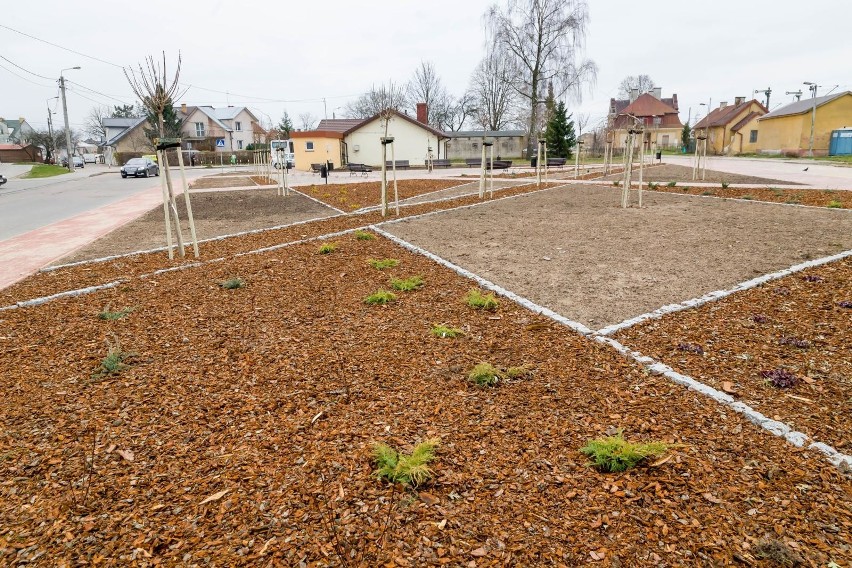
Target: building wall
x,y
245,135
658,135
740,141
791,134
135,141
471,147
410,142
324,149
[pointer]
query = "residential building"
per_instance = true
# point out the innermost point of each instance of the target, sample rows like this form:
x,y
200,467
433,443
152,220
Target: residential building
x,y
19,153
345,140
125,135
732,129
787,130
468,143
224,129
15,131
659,117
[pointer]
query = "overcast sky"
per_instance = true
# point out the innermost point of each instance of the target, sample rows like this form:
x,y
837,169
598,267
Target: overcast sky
x,y
272,56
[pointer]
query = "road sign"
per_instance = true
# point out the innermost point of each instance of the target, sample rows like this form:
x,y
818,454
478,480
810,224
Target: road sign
x,y
220,143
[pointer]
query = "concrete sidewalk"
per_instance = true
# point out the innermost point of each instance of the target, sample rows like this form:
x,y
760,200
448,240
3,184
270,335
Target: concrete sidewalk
x,y
25,254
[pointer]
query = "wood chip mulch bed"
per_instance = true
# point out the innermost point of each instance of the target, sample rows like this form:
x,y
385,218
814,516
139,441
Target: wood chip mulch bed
x,y
798,323
664,173
352,196
240,434
835,199
218,181
81,276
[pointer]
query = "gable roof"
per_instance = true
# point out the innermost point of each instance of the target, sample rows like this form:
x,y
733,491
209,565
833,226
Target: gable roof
x,y
617,106
647,105
485,133
120,122
231,112
745,120
724,115
130,128
210,113
338,124
801,107
426,127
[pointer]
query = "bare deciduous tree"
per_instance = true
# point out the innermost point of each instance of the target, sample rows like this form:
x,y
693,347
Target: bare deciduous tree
x,y
643,83
377,100
494,98
543,38
458,112
307,121
95,121
426,87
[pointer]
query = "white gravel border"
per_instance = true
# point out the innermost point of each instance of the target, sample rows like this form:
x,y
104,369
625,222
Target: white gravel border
x,y
66,294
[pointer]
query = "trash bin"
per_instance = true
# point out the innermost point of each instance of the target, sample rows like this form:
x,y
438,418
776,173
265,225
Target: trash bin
x,y
659,156
533,161
324,171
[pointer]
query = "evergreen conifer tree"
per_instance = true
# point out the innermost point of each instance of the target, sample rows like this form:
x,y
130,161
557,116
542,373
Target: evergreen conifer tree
x,y
560,134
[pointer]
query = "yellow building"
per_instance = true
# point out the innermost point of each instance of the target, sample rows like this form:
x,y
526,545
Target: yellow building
x,y
787,130
317,147
732,129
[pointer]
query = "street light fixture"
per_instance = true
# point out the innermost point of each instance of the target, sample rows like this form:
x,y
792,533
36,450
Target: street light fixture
x,y
65,112
812,87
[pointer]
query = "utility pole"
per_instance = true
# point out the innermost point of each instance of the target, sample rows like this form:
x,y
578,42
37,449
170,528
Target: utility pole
x,y
325,107
50,128
65,112
812,87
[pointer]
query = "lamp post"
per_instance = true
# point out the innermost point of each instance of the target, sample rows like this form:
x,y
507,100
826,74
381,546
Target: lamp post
x,y
50,126
812,87
65,112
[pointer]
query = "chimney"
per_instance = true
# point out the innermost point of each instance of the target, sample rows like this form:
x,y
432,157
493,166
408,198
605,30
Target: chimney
x,y
21,118
634,94
739,100
183,108
422,113
723,104
657,92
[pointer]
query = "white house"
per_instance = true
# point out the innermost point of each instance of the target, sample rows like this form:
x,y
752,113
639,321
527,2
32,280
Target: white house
x,y
227,129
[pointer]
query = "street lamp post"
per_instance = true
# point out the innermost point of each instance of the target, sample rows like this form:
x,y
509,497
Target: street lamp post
x,y
49,127
65,112
812,87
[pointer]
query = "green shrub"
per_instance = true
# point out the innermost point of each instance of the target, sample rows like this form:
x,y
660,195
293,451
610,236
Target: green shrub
x,y
484,375
614,453
412,469
671,184
106,314
383,263
381,298
364,236
652,185
747,197
833,204
517,372
327,248
113,363
480,301
725,185
232,283
616,184
707,193
445,331
407,285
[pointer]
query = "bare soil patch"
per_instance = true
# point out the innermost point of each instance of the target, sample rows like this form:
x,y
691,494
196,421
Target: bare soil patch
x,y
220,181
216,213
795,323
576,251
669,172
75,277
835,199
242,431
355,195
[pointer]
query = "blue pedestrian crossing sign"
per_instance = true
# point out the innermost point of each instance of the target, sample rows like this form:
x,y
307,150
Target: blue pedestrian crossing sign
x,y
220,143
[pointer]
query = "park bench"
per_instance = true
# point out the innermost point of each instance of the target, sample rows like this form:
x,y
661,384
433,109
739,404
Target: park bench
x,y
400,164
359,169
441,163
502,164
315,168
473,162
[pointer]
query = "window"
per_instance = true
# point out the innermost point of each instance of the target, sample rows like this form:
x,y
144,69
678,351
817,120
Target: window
x,y
199,129
309,146
665,140
239,126
239,144
752,137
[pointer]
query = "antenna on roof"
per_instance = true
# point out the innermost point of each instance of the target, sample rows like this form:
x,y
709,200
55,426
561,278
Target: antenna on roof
x,y
797,94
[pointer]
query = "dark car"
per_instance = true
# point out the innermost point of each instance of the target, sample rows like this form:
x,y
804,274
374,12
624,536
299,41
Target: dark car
x,y
2,179
140,167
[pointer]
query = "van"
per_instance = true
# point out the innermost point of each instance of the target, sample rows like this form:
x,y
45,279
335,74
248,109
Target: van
x,y
90,158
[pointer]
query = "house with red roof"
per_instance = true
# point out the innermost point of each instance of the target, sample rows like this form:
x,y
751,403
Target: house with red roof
x,y
732,129
659,117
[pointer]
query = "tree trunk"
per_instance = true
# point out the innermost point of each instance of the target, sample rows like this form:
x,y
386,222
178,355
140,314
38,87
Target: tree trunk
x,y
533,116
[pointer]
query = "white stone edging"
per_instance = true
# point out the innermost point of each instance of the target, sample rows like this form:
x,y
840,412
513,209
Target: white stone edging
x,y
323,203
65,294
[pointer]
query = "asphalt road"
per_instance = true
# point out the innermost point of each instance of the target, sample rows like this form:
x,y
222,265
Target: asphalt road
x,y
30,204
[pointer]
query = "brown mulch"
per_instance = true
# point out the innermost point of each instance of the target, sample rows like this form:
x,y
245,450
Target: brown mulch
x,y
75,277
795,323
836,199
218,181
352,196
241,434
665,173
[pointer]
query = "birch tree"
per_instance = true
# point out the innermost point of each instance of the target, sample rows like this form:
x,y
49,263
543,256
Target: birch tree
x,y
544,40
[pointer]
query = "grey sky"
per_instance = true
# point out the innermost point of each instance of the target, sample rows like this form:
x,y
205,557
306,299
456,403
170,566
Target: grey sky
x,y
265,53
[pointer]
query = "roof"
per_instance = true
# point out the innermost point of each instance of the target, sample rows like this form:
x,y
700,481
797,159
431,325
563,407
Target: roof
x,y
316,134
132,126
231,112
338,124
723,116
211,114
119,122
12,147
801,107
426,127
485,133
648,105
617,106
746,119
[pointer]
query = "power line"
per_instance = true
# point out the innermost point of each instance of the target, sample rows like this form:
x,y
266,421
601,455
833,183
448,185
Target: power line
x,y
26,70
24,78
122,101
61,47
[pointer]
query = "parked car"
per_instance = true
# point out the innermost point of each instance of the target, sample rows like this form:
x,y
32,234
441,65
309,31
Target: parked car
x,y
140,167
2,179
91,158
78,162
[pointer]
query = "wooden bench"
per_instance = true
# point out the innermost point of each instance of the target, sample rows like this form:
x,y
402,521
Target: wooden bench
x,y
400,164
315,168
359,169
441,164
502,164
555,162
